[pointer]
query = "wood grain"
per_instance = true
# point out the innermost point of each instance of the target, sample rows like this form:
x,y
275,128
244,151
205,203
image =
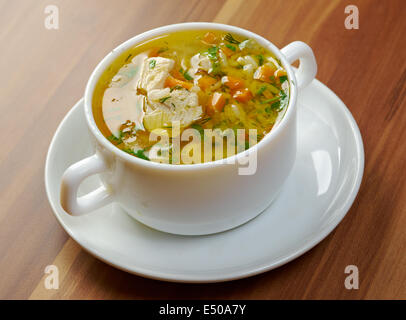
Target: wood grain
x,y
44,73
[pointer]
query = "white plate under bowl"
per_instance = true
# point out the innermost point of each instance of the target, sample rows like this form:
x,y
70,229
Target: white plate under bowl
x,y
317,195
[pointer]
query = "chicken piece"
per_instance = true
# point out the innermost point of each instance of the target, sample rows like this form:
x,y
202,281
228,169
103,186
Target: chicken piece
x,y
249,64
154,73
200,62
166,107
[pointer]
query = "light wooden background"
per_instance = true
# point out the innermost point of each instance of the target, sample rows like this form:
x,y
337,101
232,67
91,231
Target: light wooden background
x,y
44,72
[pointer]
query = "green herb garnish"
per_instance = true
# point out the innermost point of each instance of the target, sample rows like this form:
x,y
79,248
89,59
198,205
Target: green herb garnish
x,y
152,64
270,100
281,98
115,139
276,105
162,100
176,87
187,76
282,79
261,90
139,154
228,37
260,59
212,54
229,46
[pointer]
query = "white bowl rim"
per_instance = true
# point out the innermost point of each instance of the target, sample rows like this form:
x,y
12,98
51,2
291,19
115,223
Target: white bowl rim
x,y
110,57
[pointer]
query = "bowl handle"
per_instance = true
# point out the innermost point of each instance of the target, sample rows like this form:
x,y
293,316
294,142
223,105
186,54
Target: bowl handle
x,y
71,180
308,66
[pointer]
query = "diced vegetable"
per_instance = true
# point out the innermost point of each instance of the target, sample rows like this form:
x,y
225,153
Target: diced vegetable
x,y
171,82
243,95
232,82
205,82
265,72
217,102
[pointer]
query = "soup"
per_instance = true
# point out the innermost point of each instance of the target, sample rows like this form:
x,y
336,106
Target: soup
x,y
190,97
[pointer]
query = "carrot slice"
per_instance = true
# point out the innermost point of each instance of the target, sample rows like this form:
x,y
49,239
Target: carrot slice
x,y
171,82
216,103
243,95
209,38
177,74
265,72
233,83
206,82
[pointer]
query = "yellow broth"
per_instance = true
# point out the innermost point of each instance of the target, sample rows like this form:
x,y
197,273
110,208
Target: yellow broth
x,y
203,80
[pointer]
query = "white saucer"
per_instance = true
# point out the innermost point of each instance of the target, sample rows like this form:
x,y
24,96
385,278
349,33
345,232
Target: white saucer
x,y
317,195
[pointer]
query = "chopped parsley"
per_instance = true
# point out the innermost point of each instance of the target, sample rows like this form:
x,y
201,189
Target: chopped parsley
x,y
260,59
281,99
162,100
229,38
139,154
270,100
282,79
177,87
229,46
276,105
212,54
187,76
152,64
261,90
116,140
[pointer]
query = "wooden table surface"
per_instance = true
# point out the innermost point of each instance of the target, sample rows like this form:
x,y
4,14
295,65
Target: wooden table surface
x,y
44,73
